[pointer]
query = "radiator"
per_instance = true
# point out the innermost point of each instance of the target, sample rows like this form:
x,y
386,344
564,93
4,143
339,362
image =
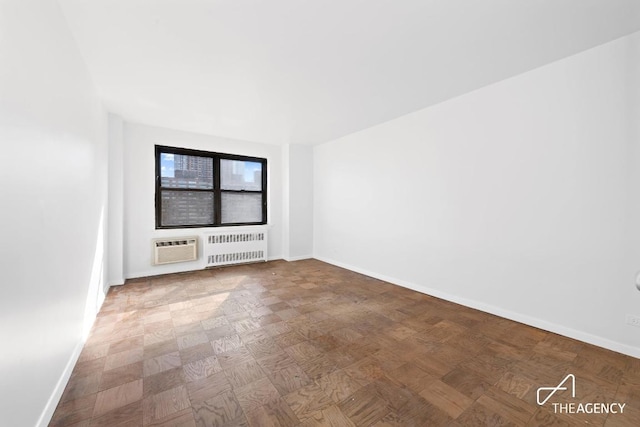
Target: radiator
x,y
235,247
174,249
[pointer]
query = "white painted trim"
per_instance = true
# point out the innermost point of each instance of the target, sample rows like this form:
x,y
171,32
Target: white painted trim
x,y
498,311
56,395
152,273
117,282
101,298
298,258
54,399
138,275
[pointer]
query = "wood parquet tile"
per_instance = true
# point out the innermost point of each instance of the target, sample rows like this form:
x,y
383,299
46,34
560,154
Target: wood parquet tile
x,y
129,415
256,394
305,401
118,376
217,411
118,396
163,381
273,414
206,388
331,416
307,344
339,385
364,407
447,398
164,404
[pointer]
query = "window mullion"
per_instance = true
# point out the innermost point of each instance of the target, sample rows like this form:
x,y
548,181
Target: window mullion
x,y
217,198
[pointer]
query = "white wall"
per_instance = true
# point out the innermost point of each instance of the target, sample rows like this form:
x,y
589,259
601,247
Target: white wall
x,y
297,201
115,271
53,216
517,198
139,194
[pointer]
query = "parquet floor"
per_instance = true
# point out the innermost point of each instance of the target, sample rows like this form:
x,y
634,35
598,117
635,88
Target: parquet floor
x,y
309,344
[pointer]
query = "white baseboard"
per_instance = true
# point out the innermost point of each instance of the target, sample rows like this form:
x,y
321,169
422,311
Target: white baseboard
x,y
298,258
52,403
159,272
56,395
499,311
117,282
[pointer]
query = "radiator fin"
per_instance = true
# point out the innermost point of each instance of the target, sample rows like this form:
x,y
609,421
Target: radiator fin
x,y
235,247
236,257
234,238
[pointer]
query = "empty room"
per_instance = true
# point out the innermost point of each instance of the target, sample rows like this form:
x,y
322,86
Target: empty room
x,y
320,213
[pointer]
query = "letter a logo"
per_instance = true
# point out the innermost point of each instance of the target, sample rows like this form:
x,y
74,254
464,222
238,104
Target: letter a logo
x,y
559,387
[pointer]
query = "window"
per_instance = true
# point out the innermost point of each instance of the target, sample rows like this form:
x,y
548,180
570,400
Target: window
x,y
202,189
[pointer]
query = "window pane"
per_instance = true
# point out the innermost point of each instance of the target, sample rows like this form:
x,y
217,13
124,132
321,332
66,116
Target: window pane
x,y
241,207
186,208
181,171
240,175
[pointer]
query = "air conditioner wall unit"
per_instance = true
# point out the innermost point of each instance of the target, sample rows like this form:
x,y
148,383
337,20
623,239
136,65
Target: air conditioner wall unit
x,y
174,249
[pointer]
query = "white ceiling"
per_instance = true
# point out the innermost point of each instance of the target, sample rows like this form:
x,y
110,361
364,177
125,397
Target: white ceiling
x,y
305,72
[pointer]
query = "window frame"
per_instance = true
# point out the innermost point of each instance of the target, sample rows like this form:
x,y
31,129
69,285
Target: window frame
x,y
217,191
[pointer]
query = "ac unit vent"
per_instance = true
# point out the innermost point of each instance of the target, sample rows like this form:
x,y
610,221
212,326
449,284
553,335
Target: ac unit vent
x,y
178,249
